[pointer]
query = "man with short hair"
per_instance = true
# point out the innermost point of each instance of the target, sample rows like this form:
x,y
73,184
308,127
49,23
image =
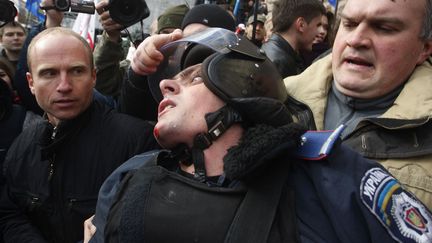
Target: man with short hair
x,y
55,167
377,82
260,32
295,25
236,168
12,36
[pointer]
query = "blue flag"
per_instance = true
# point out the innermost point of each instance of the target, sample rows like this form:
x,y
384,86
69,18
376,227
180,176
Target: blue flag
x,y
33,7
333,2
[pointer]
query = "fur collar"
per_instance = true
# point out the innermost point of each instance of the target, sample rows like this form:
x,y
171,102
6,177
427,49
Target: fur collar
x,y
259,146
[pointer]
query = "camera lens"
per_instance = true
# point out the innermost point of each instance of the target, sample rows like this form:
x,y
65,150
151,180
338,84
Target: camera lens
x,y
7,12
128,12
62,5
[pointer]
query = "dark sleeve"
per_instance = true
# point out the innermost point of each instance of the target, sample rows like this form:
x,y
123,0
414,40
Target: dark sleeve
x,y
20,79
110,68
136,99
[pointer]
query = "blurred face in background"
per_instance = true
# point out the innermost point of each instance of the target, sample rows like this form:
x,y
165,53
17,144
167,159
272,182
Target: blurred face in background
x,y
260,31
6,78
322,30
13,38
309,32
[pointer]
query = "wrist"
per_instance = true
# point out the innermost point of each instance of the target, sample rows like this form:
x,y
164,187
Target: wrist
x,y
115,38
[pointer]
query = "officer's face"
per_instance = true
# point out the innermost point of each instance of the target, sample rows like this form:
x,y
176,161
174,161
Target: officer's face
x,y
181,113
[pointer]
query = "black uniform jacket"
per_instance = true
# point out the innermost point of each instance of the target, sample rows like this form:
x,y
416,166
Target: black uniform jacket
x,y
328,193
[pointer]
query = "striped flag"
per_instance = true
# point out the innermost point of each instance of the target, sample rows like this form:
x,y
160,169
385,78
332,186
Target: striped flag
x,y
85,26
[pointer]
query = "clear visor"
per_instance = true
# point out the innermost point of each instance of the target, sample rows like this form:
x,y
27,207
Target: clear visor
x,y
217,39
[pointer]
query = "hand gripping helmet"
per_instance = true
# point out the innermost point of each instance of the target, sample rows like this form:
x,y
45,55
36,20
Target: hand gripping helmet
x,y
236,71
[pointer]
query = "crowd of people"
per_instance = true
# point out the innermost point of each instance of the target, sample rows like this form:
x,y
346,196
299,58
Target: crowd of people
x,y
307,122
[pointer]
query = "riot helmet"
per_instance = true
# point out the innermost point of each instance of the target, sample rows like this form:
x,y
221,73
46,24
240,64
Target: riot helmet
x,y
236,71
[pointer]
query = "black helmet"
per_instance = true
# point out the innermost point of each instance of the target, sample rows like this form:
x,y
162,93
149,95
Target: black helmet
x,y
236,71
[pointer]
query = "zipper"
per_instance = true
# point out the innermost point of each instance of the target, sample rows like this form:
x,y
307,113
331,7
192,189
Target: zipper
x,y
54,133
51,165
51,169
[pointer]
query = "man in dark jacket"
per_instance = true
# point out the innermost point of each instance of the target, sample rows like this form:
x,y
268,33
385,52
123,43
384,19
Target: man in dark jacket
x,y
54,169
295,25
239,169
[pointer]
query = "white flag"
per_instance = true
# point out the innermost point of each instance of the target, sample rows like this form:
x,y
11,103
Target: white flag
x,y
85,25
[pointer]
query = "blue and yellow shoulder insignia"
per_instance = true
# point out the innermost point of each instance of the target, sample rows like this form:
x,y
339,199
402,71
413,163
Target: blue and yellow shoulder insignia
x,y
316,145
405,218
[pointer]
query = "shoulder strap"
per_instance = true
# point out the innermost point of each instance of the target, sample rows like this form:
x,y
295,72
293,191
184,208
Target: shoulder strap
x,y
317,145
256,214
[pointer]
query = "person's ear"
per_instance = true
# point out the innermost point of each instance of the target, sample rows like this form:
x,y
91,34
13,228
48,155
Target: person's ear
x,y
300,24
30,82
94,77
426,53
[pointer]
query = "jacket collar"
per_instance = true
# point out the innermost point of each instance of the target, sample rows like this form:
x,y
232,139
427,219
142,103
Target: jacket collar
x,y
313,85
285,45
53,137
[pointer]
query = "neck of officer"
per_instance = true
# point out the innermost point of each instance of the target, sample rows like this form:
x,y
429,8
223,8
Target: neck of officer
x,y
213,156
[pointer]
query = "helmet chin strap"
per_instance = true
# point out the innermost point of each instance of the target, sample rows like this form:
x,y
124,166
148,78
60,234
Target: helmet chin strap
x,y
218,122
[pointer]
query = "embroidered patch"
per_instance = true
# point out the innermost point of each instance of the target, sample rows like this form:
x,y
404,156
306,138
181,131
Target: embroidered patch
x,y
405,218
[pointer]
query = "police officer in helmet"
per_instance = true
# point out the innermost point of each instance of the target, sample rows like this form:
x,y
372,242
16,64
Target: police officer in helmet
x,y
237,168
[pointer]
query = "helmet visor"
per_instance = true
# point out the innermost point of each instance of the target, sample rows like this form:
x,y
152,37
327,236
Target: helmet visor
x,y
182,53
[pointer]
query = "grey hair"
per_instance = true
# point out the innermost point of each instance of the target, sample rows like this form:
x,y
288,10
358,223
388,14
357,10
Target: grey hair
x,y
426,31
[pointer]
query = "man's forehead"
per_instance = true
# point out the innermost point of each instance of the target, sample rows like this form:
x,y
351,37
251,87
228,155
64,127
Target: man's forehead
x,y
190,70
7,29
382,6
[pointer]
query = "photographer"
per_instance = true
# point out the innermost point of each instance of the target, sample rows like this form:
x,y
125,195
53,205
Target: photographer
x,y
109,53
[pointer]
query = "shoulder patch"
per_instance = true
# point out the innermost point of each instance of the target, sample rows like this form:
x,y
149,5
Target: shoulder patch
x,y
316,145
405,217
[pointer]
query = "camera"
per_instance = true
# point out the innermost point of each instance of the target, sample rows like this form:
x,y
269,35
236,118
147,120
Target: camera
x,y
80,6
7,12
128,12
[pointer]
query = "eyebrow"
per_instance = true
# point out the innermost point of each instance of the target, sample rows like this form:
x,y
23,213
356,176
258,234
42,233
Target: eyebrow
x,y
51,67
375,20
186,72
